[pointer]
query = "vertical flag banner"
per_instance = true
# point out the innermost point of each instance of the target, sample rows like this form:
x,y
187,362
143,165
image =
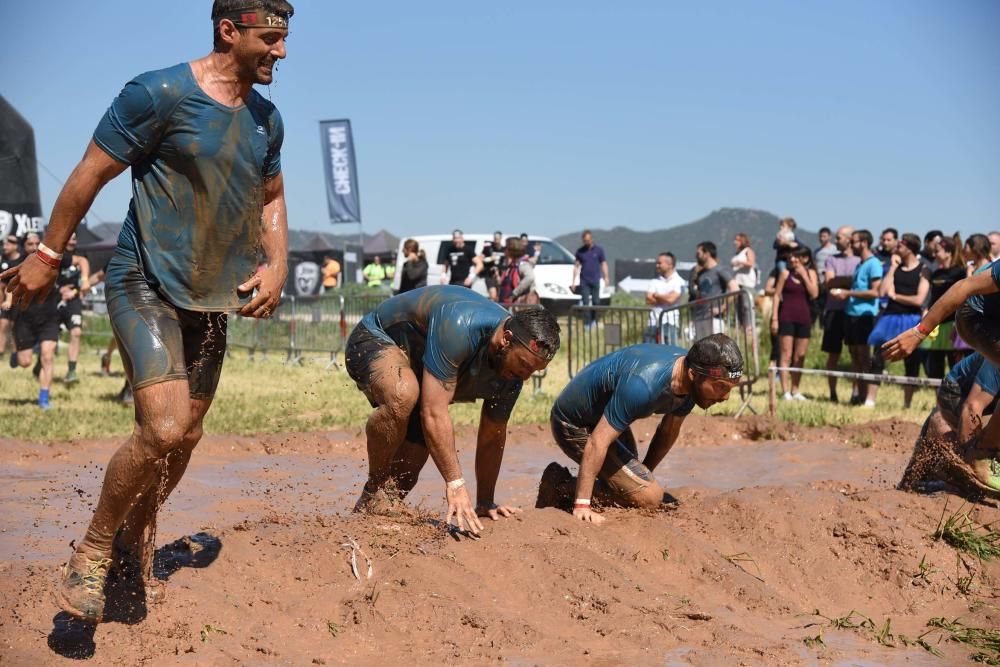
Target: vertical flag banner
x,y
341,171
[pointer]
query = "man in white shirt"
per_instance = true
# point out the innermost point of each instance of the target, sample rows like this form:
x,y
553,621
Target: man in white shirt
x,y
994,245
664,291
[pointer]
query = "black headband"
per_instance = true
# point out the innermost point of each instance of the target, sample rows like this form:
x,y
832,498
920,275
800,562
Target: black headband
x,y
522,336
717,372
255,18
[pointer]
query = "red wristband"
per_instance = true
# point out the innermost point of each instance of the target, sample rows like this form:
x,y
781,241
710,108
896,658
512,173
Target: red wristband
x,y
49,261
923,328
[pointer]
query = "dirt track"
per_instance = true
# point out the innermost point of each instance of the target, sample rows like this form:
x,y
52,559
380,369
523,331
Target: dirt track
x,y
808,522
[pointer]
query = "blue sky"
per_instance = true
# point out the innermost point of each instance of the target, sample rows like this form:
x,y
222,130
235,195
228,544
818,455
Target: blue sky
x,y
550,117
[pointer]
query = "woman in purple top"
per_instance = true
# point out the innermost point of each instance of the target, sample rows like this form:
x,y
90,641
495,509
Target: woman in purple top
x,y
791,321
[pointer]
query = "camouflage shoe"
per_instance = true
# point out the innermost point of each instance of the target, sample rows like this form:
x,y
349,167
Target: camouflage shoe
x,y
81,592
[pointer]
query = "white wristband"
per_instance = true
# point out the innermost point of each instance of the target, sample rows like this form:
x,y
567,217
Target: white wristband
x,y
44,249
456,483
582,501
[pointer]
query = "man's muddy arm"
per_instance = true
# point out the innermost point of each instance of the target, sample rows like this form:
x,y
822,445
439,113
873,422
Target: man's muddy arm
x,y
435,396
664,438
594,453
489,455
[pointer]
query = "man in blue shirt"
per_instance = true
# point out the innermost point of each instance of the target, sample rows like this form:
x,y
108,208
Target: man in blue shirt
x,y
966,398
590,266
420,351
592,417
208,198
862,309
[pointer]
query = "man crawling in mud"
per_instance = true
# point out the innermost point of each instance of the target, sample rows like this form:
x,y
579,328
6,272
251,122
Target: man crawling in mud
x,y
208,198
420,351
976,304
966,396
591,419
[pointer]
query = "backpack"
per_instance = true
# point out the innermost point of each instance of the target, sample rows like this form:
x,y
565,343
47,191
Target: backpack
x,y
509,280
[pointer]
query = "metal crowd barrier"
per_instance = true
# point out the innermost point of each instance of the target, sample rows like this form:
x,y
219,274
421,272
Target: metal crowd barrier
x,y
301,326
594,331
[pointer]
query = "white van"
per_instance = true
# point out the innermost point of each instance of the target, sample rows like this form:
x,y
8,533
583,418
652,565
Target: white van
x,y
553,271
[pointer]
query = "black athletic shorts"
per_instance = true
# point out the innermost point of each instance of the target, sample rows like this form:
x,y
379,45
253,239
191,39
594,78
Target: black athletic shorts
x,y
40,322
949,401
981,332
794,329
7,315
834,330
362,349
158,341
71,313
858,329
622,470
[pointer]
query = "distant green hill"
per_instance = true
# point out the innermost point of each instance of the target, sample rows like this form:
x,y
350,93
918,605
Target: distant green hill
x,y
718,227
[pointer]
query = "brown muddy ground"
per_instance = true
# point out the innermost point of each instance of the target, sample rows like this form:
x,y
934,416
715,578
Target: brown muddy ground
x,y
808,522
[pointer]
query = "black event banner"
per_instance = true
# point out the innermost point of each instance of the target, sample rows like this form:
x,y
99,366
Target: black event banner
x,y
341,171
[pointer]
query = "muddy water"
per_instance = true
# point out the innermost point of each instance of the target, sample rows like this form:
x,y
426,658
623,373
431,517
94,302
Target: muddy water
x,y
223,488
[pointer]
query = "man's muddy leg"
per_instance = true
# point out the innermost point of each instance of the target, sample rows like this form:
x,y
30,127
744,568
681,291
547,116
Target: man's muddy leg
x,y
981,451
159,434
395,390
138,532
406,466
162,419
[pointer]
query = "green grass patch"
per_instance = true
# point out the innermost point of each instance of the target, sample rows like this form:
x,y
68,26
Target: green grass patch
x,y
987,640
962,533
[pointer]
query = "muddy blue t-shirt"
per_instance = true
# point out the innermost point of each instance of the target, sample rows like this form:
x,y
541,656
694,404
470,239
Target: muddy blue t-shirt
x,y
198,172
626,385
987,303
975,370
446,329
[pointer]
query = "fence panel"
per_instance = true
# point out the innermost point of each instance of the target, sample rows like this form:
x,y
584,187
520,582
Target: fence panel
x,y
594,331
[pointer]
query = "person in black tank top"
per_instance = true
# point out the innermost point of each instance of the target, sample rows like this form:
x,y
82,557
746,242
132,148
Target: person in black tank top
x,y
906,285
72,281
939,348
11,257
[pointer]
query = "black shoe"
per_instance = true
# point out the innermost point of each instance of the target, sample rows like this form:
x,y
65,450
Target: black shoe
x,y
857,399
13,360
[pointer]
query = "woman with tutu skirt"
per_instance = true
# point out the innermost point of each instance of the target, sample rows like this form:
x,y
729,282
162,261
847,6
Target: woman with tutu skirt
x,y
906,285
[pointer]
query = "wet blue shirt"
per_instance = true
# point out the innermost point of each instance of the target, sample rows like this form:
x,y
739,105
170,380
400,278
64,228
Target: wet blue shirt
x,y
987,303
446,329
626,385
198,171
975,370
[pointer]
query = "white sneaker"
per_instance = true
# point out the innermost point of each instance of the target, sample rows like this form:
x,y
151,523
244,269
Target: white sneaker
x,y
799,397
788,396
869,404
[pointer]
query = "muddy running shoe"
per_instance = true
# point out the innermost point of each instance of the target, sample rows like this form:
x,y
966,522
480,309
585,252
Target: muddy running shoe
x,y
71,378
980,455
552,489
105,364
81,592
